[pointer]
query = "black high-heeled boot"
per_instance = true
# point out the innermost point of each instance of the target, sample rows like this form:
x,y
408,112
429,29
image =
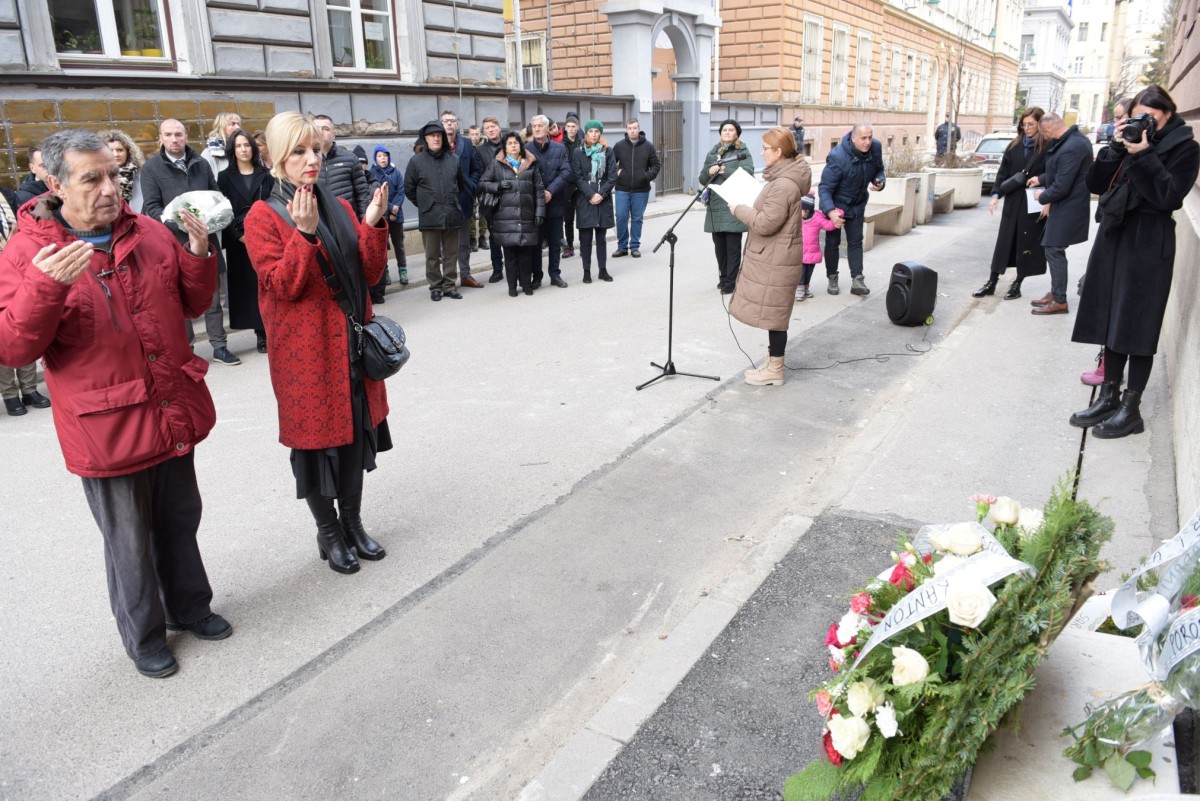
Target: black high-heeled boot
x,y
604,276
331,543
1014,291
587,274
1107,402
987,289
356,535
1127,420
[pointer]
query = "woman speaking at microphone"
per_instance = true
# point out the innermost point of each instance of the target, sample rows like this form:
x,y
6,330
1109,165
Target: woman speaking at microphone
x,y
774,256
726,229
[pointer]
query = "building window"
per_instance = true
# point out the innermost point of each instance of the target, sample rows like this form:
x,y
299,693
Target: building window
x,y
862,71
361,34
533,60
108,28
810,90
1027,47
839,72
1083,30
1103,31
1074,104
910,80
923,93
897,77
1077,66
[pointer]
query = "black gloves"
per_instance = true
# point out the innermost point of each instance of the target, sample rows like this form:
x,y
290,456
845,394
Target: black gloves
x,y
540,220
505,186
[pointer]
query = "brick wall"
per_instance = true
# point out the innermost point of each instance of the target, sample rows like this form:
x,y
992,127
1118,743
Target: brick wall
x,y
27,122
580,44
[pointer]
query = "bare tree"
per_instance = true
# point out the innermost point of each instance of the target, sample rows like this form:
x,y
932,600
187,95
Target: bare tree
x,y
1159,70
966,32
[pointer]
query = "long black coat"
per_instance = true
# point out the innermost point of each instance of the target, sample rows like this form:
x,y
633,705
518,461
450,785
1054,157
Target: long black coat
x,y
514,223
243,280
1066,192
1019,242
587,215
432,184
1130,268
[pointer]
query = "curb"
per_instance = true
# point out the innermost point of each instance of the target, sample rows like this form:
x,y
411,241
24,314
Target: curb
x,y
577,765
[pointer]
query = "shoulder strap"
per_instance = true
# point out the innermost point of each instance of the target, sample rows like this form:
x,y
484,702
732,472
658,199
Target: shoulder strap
x,y
331,279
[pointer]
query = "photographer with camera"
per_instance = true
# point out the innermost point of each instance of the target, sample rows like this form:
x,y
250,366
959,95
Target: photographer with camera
x,y
1142,176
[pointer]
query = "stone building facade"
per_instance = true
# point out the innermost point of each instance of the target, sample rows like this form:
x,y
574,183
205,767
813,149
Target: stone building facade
x,y
379,68
898,64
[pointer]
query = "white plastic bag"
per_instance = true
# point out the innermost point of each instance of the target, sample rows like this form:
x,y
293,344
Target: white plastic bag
x,y
212,208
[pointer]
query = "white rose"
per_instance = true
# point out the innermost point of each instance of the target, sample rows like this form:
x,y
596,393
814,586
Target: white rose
x,y
837,655
849,735
864,697
1029,521
945,563
885,721
961,540
849,626
1004,512
908,666
969,603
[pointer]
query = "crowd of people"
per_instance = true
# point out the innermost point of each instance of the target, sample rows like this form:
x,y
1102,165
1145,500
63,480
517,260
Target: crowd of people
x,y
105,295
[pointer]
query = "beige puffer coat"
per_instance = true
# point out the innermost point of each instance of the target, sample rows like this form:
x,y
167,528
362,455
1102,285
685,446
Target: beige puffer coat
x,y
773,259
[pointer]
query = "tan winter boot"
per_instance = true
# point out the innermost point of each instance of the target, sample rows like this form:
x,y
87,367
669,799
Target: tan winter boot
x,y
770,374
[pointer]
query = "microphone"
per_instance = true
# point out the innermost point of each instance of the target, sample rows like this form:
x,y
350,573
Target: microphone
x,y
734,157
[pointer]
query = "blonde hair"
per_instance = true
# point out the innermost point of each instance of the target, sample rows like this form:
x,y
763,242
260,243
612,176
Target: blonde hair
x,y
217,134
284,132
135,152
781,138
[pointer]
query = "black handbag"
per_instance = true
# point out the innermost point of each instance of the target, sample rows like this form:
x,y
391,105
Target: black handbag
x,y
1013,182
380,344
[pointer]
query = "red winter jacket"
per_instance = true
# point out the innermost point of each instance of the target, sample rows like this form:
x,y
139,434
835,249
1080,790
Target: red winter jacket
x,y
309,341
128,392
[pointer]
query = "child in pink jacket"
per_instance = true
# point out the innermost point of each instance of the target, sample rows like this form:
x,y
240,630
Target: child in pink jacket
x,y
814,223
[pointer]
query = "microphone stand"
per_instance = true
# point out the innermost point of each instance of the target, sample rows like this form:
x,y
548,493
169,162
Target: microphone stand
x,y
668,368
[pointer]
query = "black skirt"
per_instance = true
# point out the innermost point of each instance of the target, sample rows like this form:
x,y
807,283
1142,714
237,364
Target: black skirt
x,y
338,472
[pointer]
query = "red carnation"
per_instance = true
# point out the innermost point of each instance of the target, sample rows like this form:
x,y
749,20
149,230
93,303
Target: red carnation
x,y
831,635
830,751
860,603
902,577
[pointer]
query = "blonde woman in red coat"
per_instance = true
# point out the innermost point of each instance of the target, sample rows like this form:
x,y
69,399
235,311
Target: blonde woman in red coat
x,y
330,414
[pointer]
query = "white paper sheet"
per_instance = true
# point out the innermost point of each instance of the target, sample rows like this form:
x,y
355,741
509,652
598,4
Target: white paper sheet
x,y
1031,204
739,189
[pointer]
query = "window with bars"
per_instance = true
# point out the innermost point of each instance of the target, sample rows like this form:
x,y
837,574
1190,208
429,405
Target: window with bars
x,y
533,60
910,79
810,89
862,71
839,74
108,29
361,35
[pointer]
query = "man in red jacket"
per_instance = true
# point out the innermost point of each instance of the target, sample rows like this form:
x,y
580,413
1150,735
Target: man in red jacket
x,y
100,293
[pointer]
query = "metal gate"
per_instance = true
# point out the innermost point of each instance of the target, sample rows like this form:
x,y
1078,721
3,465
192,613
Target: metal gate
x,y
668,141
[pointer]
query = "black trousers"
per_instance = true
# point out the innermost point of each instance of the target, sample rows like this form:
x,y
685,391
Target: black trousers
x,y
729,257
149,521
569,219
585,247
519,263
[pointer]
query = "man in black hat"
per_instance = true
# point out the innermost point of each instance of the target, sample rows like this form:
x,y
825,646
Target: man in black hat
x,y
797,129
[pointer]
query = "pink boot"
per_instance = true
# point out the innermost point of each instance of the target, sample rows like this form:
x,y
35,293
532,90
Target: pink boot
x,y
1094,378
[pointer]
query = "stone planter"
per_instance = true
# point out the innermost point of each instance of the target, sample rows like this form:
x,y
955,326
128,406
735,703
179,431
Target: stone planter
x,y
899,191
967,183
924,213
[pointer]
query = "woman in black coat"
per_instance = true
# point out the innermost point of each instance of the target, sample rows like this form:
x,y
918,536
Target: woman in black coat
x,y
1141,177
513,175
594,171
1019,243
244,181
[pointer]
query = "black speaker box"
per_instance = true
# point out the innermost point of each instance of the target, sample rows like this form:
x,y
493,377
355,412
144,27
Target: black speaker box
x,y
912,293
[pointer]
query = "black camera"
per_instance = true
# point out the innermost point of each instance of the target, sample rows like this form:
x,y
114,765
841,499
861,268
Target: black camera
x,y
1135,125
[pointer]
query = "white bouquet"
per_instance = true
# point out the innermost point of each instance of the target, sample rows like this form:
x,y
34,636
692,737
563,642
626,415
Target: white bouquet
x,y
213,209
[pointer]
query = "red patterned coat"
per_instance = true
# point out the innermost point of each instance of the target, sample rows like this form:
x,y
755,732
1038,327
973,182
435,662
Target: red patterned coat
x,y
306,329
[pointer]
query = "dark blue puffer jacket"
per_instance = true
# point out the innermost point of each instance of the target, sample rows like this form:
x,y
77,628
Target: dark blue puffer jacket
x,y
395,183
556,174
847,175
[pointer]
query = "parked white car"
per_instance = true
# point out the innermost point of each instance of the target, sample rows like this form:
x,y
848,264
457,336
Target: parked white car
x,y
988,153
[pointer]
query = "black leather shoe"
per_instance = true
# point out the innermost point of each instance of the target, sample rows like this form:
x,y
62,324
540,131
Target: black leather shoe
x,y
604,276
36,399
637,254
15,407
357,536
619,252
536,284
261,346
378,299
1127,419
512,293
213,627
1014,291
1107,402
988,288
157,666
528,290
453,293
496,278
558,282
435,295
